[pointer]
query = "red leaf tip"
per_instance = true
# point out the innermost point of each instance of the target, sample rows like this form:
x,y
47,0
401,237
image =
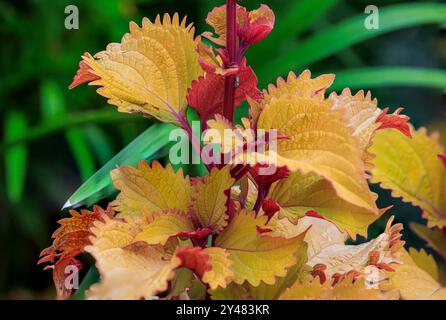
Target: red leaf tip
x,y
395,120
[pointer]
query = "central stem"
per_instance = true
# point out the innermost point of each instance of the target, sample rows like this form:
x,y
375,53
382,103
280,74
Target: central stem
x,y
231,47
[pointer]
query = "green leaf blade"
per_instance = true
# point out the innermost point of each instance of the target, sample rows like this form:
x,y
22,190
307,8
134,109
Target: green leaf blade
x,y
351,32
377,77
16,157
146,146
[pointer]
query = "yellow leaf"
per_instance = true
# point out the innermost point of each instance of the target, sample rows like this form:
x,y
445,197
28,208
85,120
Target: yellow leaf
x,y
128,270
164,225
257,257
210,196
346,290
413,282
221,272
148,189
411,169
425,261
302,86
318,141
150,71
300,193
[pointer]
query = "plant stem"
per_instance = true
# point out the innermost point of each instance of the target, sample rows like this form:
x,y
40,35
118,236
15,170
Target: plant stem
x,y
231,47
262,192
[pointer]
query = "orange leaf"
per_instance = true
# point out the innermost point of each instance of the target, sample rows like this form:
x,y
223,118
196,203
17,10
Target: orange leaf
x,y
70,240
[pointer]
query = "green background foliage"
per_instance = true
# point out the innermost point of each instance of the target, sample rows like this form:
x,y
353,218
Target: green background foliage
x,y
54,139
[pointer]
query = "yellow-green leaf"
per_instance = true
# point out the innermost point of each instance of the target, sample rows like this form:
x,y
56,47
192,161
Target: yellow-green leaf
x,y
273,292
413,282
318,141
435,238
231,292
150,71
425,261
256,257
210,196
361,113
346,290
412,170
221,272
300,193
148,189
164,225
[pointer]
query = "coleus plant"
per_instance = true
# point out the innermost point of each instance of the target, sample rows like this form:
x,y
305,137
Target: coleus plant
x,y
237,232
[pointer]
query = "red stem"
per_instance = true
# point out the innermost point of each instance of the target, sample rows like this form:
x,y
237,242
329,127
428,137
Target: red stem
x,y
231,47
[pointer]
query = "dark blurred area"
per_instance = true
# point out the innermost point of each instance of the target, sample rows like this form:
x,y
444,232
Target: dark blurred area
x,y
68,135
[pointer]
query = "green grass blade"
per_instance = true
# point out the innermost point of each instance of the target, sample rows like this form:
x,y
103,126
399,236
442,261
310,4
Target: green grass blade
x,y
145,146
291,22
100,142
350,32
81,152
53,109
15,157
367,78
79,119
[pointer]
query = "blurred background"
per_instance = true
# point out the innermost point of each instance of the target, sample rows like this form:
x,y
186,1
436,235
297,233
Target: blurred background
x,y
54,139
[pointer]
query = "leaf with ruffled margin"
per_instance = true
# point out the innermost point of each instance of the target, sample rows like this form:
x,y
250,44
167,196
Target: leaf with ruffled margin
x,y
425,261
210,197
273,292
256,257
413,282
412,170
149,72
221,272
70,240
333,259
348,289
300,193
163,225
253,26
150,188
435,238
318,139
128,269
232,292
365,118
